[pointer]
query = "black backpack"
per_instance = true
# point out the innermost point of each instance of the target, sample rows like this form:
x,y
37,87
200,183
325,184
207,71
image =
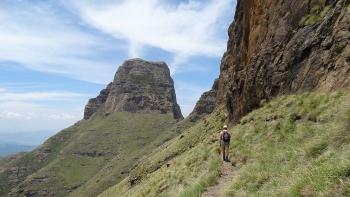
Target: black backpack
x,y
226,137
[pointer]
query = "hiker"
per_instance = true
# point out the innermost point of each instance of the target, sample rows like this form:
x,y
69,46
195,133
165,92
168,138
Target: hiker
x,y
225,138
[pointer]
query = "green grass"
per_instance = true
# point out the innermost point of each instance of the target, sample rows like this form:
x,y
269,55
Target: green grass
x,y
185,166
22,165
295,145
97,154
158,132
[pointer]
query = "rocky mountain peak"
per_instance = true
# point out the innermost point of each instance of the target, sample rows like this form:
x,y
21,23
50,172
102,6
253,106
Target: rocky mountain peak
x,y
138,86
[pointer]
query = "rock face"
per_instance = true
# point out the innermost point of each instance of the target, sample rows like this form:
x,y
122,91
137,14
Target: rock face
x,y
138,86
96,103
284,47
206,104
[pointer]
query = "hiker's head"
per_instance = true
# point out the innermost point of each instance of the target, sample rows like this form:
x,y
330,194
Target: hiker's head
x,y
225,127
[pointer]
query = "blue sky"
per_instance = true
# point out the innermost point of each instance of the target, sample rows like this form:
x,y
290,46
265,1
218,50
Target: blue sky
x,y
57,54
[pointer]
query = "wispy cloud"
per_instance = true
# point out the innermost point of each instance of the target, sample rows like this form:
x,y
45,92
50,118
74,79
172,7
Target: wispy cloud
x,y
186,29
40,36
6,95
27,111
24,116
47,36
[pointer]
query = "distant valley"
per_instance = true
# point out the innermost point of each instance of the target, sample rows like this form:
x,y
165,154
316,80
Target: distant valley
x,y
9,149
32,138
12,143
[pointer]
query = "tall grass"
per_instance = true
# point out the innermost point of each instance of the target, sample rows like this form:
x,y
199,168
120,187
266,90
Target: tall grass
x,y
303,150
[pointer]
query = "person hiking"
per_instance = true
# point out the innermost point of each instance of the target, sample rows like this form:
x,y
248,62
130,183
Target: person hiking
x,y
225,138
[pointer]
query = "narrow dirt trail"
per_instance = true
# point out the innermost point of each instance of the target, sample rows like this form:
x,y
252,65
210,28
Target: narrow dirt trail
x,y
227,173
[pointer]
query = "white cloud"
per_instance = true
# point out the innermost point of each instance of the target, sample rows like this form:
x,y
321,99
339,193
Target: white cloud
x,y
10,115
62,116
20,111
39,37
22,116
6,95
187,29
42,36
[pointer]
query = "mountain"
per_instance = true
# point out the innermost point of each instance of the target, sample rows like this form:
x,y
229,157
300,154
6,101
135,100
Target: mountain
x,y
295,145
9,149
136,113
284,90
277,48
138,86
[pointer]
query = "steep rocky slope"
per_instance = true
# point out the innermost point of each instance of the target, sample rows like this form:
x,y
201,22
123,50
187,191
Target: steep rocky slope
x,y
136,113
138,86
283,47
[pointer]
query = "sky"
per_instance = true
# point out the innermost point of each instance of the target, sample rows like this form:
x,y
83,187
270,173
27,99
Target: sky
x,y
55,55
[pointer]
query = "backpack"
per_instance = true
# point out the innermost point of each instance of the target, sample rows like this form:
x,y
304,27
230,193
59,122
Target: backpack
x,y
226,137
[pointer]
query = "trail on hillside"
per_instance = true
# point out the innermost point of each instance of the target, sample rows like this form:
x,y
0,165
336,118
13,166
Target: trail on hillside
x,y
227,173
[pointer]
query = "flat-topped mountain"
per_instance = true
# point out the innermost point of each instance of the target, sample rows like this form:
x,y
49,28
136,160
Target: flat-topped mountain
x,y
138,86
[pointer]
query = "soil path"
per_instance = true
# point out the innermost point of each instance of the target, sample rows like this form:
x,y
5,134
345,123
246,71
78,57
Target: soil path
x,y
227,173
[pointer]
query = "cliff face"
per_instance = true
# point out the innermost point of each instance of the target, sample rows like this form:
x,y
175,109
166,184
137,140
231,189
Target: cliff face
x,y
205,105
95,103
138,86
284,47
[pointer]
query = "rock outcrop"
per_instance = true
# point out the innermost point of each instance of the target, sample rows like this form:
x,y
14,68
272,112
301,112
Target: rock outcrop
x,y
206,104
95,103
284,47
138,86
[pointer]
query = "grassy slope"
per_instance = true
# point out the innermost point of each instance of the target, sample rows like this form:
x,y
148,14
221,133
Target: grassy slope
x,y
192,164
106,176
103,134
17,168
295,145
121,135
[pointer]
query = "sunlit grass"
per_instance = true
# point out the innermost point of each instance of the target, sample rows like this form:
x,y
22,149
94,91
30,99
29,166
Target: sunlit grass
x,y
297,152
295,145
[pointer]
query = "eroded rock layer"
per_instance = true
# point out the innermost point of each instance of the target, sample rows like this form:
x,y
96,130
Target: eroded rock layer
x,y
279,47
